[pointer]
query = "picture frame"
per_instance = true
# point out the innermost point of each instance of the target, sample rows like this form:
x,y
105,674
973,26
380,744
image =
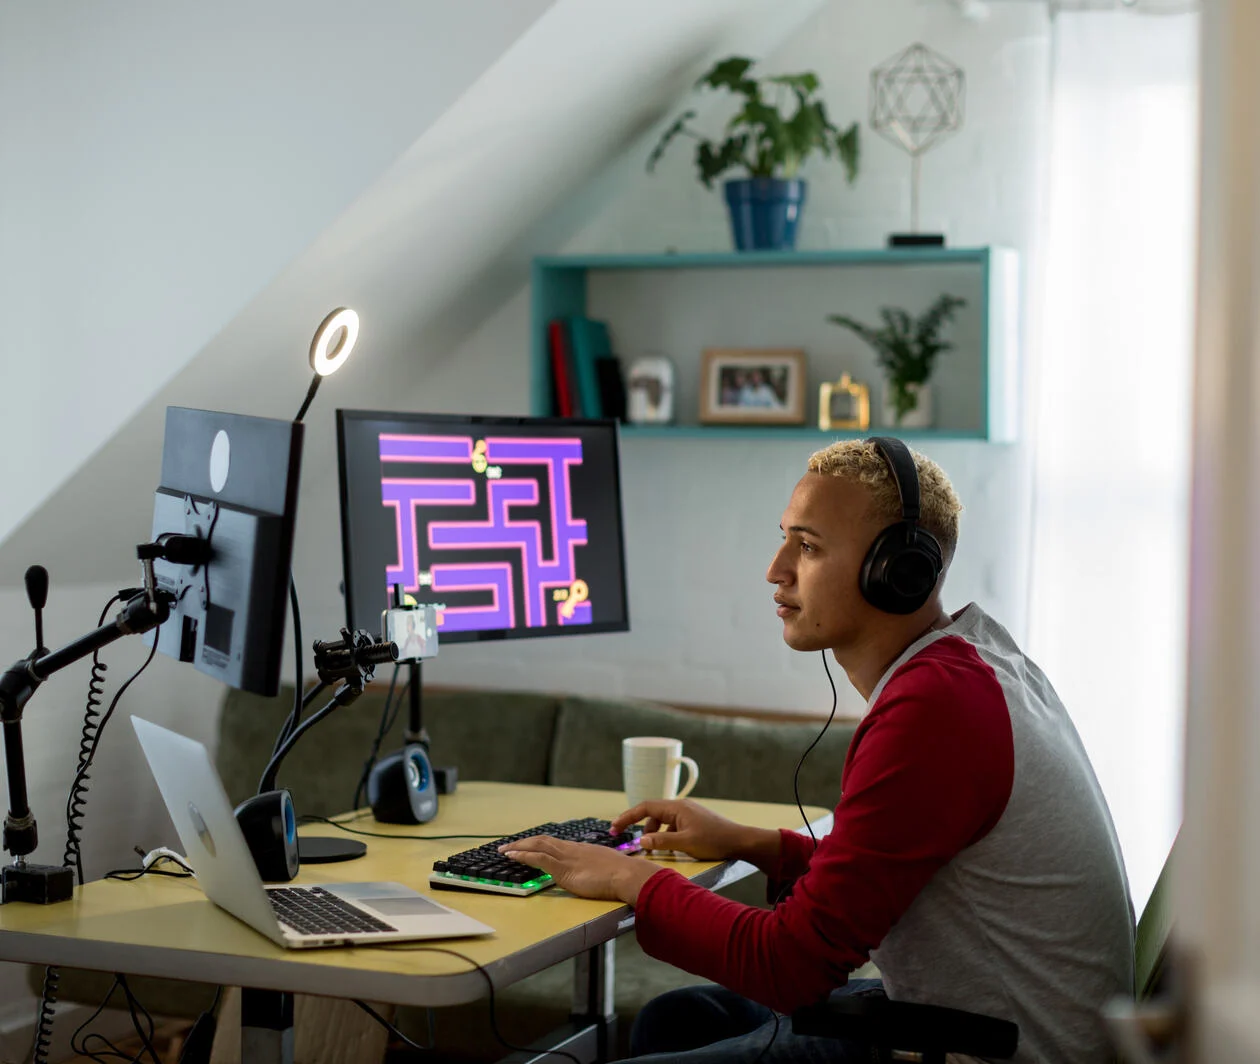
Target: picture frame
x,y
844,404
753,386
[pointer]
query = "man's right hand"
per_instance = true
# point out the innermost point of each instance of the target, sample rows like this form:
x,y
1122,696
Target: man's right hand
x,y
699,832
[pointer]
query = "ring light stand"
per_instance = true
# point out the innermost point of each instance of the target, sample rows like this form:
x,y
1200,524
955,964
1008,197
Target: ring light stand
x,y
268,820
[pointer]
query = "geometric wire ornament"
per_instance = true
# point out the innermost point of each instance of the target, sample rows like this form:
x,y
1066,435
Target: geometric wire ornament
x,y
917,99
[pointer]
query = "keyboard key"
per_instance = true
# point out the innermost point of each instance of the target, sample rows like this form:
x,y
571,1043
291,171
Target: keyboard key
x,y
314,911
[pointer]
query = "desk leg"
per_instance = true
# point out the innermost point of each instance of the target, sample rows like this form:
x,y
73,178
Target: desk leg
x,y
266,1027
591,1033
594,990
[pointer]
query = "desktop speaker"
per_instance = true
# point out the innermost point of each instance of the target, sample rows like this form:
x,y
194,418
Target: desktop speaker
x,y
402,789
270,828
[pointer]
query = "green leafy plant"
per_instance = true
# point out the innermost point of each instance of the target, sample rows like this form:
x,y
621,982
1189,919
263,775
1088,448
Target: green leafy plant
x,y
761,138
906,347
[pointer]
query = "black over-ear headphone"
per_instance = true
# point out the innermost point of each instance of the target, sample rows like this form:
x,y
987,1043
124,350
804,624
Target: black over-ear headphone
x,y
903,564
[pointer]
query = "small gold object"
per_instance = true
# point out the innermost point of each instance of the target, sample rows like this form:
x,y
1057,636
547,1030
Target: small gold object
x,y
844,404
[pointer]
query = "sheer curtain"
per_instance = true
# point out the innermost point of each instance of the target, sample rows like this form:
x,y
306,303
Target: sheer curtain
x,y
1110,407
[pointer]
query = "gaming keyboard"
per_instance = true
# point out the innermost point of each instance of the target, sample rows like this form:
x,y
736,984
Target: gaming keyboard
x,y
484,868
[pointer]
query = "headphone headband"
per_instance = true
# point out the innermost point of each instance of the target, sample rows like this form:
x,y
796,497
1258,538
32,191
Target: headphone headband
x,y
901,465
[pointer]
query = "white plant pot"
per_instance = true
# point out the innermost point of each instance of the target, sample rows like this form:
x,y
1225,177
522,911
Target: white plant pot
x,y
918,417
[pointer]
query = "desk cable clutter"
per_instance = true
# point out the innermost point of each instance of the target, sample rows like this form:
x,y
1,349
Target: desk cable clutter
x,y
219,471
268,820
143,610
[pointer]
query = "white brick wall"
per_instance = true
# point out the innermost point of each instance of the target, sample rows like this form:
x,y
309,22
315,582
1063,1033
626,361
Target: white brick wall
x,y
702,515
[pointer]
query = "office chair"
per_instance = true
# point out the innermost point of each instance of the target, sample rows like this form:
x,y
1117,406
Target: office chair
x,y
926,1033
910,1032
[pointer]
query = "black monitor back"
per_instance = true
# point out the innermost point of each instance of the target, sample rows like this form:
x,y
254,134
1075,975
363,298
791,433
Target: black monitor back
x,y
233,480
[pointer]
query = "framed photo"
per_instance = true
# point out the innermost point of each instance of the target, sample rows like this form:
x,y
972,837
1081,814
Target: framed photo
x,y
752,385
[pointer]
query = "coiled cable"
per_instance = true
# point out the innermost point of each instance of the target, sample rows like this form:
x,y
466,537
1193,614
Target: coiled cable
x,y
47,1007
78,788
76,804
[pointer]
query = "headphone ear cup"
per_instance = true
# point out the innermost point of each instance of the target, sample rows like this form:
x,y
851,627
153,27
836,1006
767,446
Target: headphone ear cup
x,y
901,568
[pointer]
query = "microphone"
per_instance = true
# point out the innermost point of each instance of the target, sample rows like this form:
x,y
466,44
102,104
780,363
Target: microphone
x,y
37,596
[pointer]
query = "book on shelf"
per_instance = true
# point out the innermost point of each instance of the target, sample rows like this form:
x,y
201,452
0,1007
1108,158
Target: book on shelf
x,y
588,340
612,387
586,378
562,384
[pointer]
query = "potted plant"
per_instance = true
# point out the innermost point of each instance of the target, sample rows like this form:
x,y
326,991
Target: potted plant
x,y
906,348
769,144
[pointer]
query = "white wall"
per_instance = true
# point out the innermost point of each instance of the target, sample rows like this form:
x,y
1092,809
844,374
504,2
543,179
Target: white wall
x,y
162,162
702,515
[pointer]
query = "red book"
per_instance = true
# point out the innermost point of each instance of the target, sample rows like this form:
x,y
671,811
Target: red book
x,y
562,368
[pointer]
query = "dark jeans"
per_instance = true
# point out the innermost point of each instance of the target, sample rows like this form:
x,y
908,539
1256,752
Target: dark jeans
x,y
713,1025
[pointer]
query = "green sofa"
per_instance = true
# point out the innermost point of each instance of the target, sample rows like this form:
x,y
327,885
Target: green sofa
x,y
523,737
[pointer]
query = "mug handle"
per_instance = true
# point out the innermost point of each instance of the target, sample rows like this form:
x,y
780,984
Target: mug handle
x,y
693,775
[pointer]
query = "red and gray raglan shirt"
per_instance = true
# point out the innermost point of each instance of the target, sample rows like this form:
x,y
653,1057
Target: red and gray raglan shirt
x,y
972,857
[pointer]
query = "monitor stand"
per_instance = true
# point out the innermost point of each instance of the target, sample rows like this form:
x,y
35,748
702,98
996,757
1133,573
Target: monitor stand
x,y
319,849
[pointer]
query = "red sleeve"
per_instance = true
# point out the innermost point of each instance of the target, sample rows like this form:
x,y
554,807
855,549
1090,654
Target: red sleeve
x,y
795,852
928,773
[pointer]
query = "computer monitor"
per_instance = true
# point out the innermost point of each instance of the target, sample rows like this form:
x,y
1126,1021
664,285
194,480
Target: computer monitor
x,y
231,480
510,526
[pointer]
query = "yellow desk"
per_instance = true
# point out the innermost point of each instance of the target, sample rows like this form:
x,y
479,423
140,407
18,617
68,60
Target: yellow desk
x,y
167,927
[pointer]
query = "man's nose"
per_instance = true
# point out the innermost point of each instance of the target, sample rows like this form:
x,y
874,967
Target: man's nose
x,y
778,572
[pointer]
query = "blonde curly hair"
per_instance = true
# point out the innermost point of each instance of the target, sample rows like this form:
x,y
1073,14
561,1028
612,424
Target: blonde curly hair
x,y
860,460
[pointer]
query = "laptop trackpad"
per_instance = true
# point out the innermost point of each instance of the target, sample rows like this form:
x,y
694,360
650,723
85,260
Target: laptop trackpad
x,y
412,906
389,899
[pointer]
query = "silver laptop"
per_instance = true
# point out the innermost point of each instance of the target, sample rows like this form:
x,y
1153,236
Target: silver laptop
x,y
297,917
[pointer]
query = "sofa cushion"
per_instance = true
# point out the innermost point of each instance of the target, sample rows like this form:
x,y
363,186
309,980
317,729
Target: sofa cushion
x,y
751,760
324,766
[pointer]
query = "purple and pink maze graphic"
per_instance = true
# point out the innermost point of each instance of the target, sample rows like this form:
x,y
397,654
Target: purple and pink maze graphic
x,y
511,561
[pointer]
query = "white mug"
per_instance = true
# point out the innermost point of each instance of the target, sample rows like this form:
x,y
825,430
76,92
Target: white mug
x,y
650,768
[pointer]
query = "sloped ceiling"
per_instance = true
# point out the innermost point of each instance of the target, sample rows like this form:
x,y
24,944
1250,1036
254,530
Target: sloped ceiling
x,y
162,163
431,249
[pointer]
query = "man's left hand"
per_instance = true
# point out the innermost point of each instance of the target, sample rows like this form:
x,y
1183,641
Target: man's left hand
x,y
584,869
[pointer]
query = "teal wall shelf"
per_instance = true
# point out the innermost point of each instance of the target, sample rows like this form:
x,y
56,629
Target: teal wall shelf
x,y
678,304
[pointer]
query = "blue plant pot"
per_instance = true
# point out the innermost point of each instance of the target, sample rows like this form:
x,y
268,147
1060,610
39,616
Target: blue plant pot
x,y
764,212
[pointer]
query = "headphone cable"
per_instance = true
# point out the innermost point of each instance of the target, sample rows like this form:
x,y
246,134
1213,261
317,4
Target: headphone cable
x,y
796,776
796,790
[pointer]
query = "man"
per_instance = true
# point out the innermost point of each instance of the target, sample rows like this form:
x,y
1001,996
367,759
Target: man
x,y
412,644
972,856
758,392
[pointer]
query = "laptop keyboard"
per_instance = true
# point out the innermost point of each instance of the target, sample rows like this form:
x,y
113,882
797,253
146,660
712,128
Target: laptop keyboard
x,y
313,911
